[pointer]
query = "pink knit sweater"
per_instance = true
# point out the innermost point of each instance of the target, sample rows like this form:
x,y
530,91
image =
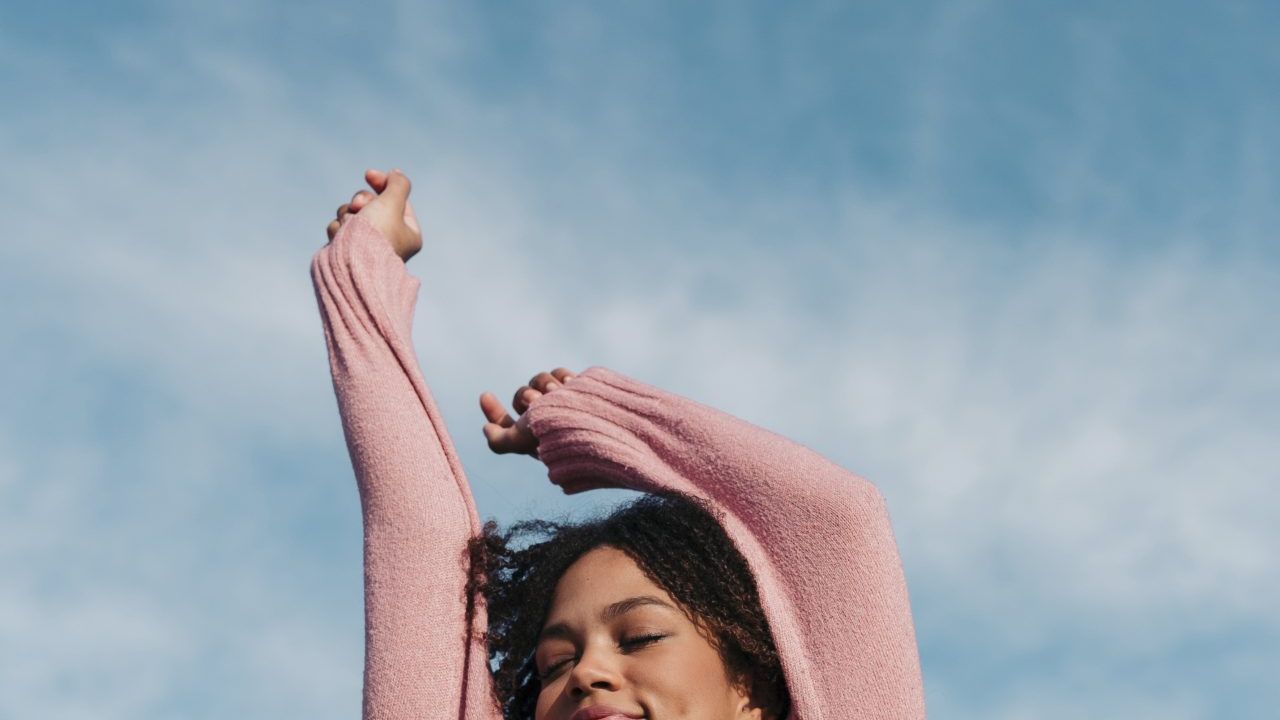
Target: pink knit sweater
x,y
816,536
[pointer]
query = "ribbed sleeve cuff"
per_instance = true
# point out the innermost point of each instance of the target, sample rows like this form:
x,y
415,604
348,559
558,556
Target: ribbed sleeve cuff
x,y
598,431
360,269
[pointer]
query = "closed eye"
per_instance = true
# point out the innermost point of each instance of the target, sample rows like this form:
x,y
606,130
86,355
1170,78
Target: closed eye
x,y
628,644
553,669
640,641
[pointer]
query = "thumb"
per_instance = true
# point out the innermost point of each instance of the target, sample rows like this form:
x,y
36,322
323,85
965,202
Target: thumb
x,y
376,179
397,190
493,433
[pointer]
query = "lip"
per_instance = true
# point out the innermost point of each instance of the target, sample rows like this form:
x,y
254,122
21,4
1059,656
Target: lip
x,y
599,712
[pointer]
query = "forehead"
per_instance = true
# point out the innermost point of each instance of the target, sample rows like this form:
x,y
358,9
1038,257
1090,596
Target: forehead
x,y
599,578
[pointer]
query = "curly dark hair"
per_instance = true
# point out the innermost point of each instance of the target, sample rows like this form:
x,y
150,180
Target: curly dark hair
x,y
675,540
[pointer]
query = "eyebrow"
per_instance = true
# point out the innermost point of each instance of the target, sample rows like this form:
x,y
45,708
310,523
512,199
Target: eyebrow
x,y
610,613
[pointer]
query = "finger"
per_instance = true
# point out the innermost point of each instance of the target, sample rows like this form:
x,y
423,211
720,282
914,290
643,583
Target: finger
x,y
562,375
544,382
343,209
376,179
494,412
496,437
524,396
360,199
397,190
509,440
333,228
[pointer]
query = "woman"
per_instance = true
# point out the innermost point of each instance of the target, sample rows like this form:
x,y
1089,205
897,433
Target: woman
x,y
614,638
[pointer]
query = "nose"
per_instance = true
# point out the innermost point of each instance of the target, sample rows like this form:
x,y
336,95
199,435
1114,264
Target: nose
x,y
594,671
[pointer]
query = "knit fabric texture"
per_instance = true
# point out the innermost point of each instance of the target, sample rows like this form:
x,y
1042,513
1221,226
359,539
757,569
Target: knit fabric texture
x,y
816,536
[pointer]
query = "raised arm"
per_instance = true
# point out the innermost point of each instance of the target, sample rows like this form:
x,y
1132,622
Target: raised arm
x,y
422,659
817,537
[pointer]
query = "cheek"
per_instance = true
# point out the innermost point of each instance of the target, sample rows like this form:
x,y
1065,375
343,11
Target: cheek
x,y
547,697
684,682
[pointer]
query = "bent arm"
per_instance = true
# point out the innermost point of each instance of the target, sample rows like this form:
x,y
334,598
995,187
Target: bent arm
x,y
817,537
422,660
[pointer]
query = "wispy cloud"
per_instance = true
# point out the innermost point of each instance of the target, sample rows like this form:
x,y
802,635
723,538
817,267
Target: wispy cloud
x,y
1068,411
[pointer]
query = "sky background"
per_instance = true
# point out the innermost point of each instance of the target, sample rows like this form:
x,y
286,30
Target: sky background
x,y
1016,263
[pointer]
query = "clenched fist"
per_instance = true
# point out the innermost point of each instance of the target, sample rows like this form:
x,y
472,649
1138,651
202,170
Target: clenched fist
x,y
387,208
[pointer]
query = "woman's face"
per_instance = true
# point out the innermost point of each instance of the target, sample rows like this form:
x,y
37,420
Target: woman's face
x,y
614,638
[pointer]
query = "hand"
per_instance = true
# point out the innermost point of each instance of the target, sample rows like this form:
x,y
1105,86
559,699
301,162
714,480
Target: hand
x,y
510,436
389,211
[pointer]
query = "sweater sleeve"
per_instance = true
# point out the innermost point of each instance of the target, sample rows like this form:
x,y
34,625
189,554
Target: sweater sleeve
x,y
816,536
422,660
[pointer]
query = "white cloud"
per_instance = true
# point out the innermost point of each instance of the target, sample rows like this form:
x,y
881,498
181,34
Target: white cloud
x,y
1073,436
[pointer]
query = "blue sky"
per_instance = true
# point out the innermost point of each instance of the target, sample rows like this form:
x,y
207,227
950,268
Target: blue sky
x,y
1014,262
